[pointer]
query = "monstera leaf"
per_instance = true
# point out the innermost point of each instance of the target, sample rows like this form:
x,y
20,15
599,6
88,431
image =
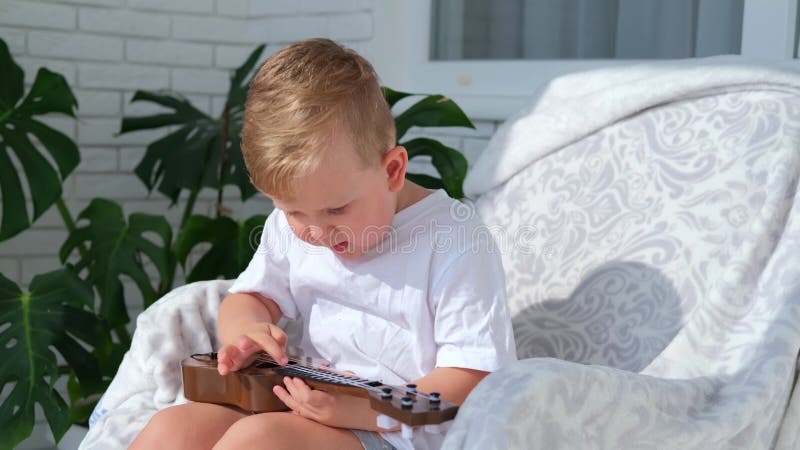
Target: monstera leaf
x,y
232,245
191,156
450,163
52,315
393,96
116,249
431,111
18,133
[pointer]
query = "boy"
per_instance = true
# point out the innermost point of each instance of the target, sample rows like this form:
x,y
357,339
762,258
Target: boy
x,y
367,261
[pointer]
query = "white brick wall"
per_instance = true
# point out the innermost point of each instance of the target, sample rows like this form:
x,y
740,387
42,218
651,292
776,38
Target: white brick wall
x,y
107,49
74,45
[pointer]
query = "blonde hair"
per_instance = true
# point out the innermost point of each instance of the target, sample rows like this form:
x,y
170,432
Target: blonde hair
x,y
298,97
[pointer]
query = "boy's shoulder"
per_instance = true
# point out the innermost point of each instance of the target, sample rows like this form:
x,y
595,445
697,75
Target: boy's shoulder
x,y
441,214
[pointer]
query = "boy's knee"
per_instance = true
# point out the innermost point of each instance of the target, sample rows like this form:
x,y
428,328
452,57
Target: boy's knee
x,y
162,427
251,430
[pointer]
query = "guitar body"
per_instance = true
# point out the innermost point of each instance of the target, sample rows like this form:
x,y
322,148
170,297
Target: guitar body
x,y
250,388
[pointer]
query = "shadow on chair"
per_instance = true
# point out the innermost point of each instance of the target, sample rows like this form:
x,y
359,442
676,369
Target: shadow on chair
x,y
623,314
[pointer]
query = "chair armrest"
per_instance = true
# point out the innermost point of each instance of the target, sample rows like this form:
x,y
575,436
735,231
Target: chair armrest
x,y
556,404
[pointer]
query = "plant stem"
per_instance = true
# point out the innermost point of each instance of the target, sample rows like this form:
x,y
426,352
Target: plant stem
x,y
70,224
223,156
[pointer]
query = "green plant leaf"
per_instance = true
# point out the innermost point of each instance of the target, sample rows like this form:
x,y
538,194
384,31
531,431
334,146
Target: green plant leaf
x,y
18,129
49,93
450,163
393,96
189,158
12,81
235,171
425,181
169,99
240,79
431,111
232,245
178,160
35,322
148,122
116,250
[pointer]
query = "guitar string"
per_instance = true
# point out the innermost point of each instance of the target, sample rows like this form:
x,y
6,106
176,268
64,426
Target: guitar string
x,y
321,373
340,378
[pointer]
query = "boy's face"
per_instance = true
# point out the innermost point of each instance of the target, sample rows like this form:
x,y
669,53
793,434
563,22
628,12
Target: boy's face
x,y
344,206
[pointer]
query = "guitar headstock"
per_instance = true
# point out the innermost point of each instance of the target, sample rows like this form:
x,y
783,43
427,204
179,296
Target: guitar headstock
x,y
411,407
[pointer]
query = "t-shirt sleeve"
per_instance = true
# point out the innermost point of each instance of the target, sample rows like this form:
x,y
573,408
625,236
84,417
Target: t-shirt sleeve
x,y
472,326
268,271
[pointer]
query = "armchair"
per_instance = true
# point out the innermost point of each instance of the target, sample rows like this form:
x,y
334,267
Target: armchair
x,y
649,223
650,227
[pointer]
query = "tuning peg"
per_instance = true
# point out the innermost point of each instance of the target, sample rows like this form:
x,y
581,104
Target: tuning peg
x,y
435,429
386,393
386,422
407,431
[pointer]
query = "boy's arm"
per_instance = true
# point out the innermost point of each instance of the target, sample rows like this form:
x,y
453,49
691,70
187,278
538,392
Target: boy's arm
x,y
453,383
246,323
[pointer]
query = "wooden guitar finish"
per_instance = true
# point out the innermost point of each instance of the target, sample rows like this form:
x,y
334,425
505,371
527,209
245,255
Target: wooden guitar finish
x,y
250,388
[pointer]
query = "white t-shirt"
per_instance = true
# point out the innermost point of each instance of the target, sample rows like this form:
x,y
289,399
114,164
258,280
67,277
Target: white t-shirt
x,y
432,294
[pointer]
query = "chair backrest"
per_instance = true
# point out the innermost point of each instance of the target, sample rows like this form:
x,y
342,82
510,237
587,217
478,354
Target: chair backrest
x,y
611,243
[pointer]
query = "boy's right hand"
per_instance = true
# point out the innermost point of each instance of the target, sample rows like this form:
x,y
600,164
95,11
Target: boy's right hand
x,y
260,336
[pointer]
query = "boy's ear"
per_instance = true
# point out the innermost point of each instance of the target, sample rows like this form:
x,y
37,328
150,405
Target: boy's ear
x,y
395,163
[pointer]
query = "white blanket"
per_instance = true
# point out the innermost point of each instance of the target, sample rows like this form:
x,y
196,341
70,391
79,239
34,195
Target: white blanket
x,y
576,105
149,378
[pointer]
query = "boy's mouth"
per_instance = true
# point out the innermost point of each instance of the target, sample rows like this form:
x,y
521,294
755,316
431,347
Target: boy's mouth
x,y
340,247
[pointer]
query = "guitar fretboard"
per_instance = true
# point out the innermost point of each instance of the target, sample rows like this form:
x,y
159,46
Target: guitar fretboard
x,y
297,367
324,376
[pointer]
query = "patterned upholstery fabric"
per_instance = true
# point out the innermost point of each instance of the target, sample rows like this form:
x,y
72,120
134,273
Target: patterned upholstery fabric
x,y
658,259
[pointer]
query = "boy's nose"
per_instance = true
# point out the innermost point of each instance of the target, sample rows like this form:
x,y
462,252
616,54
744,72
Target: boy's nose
x,y
314,233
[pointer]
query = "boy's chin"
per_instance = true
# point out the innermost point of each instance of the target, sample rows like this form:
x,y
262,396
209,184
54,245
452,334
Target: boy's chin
x,y
349,254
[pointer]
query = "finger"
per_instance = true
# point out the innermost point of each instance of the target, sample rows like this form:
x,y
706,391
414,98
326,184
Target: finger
x,y
295,389
225,362
245,343
304,391
279,335
286,397
239,357
268,343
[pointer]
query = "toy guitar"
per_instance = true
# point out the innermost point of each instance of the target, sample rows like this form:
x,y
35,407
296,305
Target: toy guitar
x,y
250,388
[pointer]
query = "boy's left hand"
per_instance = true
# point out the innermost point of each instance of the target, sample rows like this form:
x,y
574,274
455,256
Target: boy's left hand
x,y
319,406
